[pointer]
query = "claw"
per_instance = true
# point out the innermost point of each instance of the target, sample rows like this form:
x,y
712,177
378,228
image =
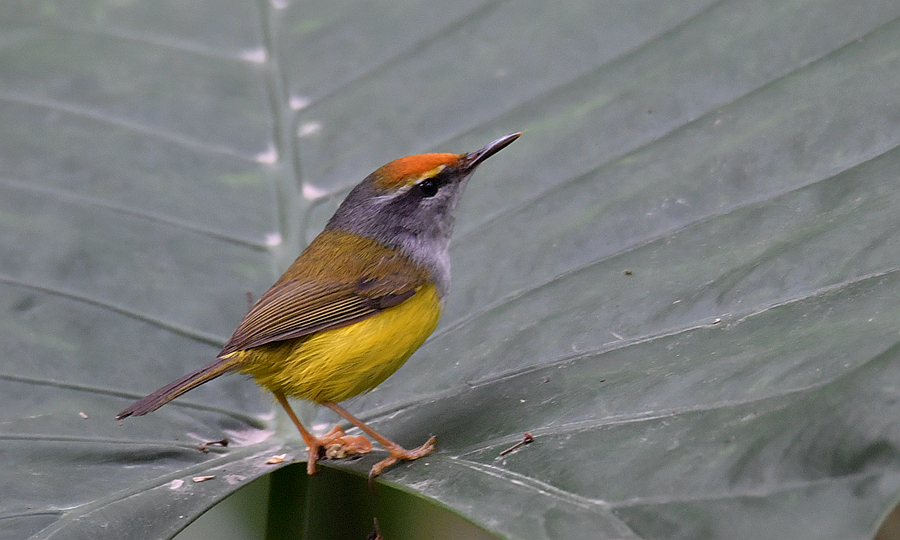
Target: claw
x,y
398,452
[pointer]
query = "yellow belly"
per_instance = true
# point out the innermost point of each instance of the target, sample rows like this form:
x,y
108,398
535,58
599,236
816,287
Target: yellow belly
x,y
334,365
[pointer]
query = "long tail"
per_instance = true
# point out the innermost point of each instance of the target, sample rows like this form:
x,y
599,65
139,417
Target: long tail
x,y
173,390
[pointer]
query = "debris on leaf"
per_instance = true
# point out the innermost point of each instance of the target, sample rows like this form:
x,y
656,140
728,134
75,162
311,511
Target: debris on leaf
x,y
223,442
527,439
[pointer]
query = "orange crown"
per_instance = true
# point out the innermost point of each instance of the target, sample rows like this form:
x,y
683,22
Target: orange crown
x,y
410,169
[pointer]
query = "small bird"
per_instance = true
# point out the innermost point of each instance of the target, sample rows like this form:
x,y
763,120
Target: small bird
x,y
356,304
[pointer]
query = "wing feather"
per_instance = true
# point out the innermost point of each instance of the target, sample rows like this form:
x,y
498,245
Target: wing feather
x,y
295,308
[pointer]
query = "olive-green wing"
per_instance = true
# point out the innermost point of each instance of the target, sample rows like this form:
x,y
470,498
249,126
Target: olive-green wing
x,y
294,309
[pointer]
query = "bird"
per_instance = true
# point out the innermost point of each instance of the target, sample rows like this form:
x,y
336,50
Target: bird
x,y
357,302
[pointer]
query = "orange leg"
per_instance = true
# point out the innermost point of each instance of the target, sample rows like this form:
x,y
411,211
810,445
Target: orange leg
x,y
396,451
335,442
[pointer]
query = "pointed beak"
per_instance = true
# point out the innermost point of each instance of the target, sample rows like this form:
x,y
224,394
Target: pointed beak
x,y
474,159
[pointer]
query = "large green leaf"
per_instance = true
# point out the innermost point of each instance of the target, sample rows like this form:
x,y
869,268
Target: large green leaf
x,y
682,279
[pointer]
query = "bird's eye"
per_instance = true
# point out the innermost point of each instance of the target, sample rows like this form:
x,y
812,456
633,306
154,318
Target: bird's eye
x,y
427,187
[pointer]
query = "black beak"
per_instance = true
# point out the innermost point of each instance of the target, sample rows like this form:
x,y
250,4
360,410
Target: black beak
x,y
474,159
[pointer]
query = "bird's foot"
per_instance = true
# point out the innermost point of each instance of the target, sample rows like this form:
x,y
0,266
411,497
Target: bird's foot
x,y
339,445
398,452
335,445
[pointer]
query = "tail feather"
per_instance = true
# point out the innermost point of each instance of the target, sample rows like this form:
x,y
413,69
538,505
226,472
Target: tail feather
x,y
173,390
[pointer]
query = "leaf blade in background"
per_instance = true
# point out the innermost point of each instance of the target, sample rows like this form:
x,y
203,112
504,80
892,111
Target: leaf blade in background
x,y
738,158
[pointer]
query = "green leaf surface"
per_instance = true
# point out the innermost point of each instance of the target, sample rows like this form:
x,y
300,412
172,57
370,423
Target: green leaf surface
x,y
682,279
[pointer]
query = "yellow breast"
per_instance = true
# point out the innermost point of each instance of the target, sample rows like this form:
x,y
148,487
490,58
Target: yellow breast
x,y
334,365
